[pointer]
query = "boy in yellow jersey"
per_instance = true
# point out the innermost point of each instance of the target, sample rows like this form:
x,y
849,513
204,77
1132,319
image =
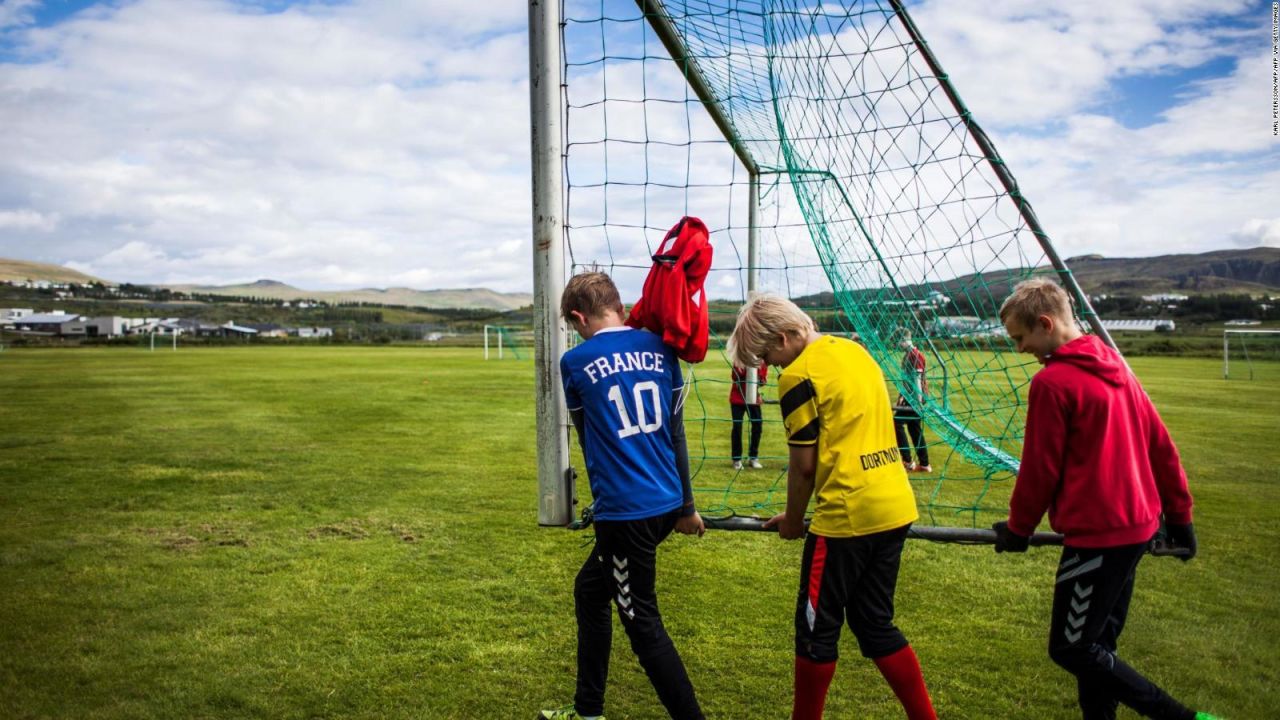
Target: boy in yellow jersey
x,y
839,427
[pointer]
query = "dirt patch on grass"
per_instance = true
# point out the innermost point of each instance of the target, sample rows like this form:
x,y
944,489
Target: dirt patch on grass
x,y
194,538
350,530
404,533
363,529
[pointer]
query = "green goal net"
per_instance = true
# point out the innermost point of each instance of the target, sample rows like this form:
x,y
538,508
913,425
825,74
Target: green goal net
x,y
835,164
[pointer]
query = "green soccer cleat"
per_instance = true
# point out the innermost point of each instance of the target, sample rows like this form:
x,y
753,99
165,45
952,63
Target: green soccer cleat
x,y
567,713
1206,716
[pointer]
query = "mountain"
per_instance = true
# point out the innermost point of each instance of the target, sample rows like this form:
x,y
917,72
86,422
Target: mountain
x,y
1255,270
1252,271
471,298
21,270
457,298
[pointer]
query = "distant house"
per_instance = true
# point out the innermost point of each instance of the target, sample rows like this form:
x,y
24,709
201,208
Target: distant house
x,y
230,329
157,326
1139,325
55,323
197,328
109,326
315,332
10,315
272,330
964,326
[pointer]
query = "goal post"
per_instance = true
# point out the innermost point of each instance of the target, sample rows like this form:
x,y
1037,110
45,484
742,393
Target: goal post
x,y
555,479
835,164
1241,344
502,342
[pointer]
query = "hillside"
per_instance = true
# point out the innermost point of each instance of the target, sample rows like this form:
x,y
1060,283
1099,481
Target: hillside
x,y
1254,270
477,298
21,270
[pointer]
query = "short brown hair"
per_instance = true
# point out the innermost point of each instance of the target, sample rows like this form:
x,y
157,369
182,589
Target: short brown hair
x,y
760,321
590,293
1032,298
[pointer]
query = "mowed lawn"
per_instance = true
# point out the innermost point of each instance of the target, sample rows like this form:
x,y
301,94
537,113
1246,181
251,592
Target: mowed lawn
x,y
313,532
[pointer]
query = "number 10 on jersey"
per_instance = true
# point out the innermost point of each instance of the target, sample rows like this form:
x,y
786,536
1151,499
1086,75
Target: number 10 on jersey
x,y
642,422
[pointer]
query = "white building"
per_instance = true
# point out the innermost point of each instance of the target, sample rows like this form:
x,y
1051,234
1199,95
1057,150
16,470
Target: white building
x,y
54,323
1139,325
9,315
157,326
110,326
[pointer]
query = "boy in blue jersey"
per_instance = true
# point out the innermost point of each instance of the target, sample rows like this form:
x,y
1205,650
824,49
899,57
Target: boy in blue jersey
x,y
623,389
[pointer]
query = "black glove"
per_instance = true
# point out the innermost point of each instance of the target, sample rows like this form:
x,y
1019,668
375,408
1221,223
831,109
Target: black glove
x,y
1182,536
1008,540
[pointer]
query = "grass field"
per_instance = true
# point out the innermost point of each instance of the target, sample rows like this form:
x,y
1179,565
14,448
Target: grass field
x,y
317,532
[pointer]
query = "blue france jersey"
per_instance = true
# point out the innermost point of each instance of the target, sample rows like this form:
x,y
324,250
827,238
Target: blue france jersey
x,y
623,379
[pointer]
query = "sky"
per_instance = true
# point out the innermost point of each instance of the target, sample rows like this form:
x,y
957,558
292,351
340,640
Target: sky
x,y
336,145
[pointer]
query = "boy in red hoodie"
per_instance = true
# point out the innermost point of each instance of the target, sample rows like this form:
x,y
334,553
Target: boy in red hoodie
x,y
1098,458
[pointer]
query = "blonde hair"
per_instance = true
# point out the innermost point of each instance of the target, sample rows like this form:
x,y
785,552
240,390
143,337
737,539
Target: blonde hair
x,y
1032,298
760,321
590,293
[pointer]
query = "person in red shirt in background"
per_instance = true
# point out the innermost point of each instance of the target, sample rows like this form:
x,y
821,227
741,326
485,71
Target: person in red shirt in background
x,y
906,421
739,406
1098,458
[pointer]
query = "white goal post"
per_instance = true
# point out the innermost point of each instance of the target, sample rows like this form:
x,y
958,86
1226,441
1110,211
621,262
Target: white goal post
x,y
1244,349
497,331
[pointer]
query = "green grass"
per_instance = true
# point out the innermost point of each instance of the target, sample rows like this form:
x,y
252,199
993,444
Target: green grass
x,y
307,532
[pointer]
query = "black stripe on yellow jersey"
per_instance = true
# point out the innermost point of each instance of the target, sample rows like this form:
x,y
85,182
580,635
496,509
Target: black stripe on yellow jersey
x,y
800,414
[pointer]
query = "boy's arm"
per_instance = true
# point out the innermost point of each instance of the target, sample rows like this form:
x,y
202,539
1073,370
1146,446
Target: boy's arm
x,y
572,400
690,522
1043,453
801,468
579,423
797,400
1166,465
681,446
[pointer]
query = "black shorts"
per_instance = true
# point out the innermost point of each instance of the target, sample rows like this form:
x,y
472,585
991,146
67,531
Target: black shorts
x,y
849,579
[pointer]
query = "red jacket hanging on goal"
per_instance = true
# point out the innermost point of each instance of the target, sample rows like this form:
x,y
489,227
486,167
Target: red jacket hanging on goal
x,y
673,303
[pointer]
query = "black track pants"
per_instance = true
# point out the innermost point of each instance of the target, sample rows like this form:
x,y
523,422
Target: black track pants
x,y
907,422
849,580
757,426
620,572
1090,604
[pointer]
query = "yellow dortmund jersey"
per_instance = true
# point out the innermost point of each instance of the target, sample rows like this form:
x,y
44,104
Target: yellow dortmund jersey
x,y
834,396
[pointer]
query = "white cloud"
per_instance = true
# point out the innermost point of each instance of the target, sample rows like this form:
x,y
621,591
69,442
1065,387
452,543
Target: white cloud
x,y
1183,183
1257,232
27,220
322,144
1025,61
14,13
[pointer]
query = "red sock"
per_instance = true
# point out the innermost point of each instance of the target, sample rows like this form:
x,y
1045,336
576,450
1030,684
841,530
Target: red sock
x,y
812,681
902,671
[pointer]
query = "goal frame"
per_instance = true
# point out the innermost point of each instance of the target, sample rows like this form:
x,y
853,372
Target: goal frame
x,y
1226,348
547,103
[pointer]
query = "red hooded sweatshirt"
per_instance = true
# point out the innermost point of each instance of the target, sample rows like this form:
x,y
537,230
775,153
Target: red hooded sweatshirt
x,y
1096,454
